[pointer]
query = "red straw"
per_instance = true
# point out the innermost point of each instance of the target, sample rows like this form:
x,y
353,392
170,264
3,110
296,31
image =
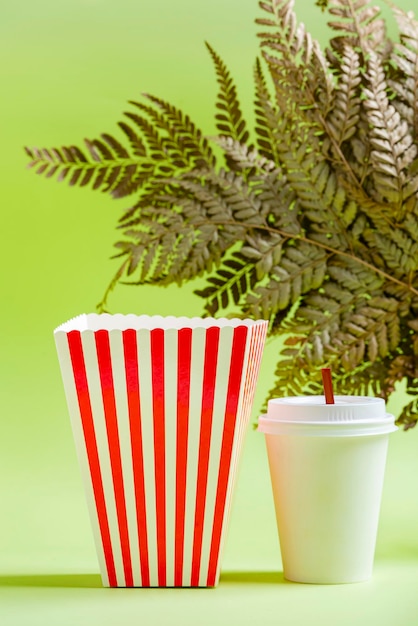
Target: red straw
x,y
327,384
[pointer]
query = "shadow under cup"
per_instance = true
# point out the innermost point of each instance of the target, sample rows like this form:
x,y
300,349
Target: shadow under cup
x,y
159,407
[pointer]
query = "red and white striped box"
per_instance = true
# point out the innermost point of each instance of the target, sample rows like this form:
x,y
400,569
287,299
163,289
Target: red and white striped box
x,y
159,407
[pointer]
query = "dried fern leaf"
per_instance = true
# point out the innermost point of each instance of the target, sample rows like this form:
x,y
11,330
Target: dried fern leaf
x,y
389,137
230,121
246,160
359,25
400,252
291,41
405,58
137,145
195,146
267,117
296,270
409,414
345,114
229,285
157,247
150,134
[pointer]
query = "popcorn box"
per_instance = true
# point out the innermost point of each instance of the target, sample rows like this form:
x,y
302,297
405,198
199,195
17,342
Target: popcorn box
x,y
159,408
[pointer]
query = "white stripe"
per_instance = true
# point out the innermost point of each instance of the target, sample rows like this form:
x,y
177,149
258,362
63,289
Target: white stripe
x,y
196,380
145,392
170,399
119,382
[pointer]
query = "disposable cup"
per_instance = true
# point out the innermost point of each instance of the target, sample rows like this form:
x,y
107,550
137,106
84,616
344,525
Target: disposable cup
x,y
327,464
159,408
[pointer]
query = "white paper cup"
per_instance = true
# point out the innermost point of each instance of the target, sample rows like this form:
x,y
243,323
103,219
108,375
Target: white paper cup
x,y
327,465
159,407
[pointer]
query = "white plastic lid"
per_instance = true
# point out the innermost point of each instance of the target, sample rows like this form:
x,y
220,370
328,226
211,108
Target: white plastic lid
x,y
311,416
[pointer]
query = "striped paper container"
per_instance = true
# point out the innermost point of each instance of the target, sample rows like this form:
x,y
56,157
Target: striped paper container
x,y
159,408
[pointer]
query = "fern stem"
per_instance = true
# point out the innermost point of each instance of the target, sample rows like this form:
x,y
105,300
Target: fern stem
x,y
287,235
101,306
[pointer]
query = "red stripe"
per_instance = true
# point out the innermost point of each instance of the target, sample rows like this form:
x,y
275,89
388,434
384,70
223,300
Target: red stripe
x,y
157,366
234,385
134,407
80,378
208,394
183,398
109,406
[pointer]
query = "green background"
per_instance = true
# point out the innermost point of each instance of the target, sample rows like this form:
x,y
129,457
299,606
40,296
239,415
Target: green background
x,y
67,70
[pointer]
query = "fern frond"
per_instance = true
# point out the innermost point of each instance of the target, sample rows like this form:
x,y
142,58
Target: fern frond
x,y
168,248
171,135
345,113
293,377
409,414
99,151
391,141
365,379
230,122
404,82
227,197
402,366
400,252
359,25
296,134
247,162
195,146
217,204
151,245
291,41
316,187
229,285
267,116
320,81
295,59
168,141
278,200
137,144
107,170
350,332
373,326
367,330
116,146
410,225
151,140
293,271
343,289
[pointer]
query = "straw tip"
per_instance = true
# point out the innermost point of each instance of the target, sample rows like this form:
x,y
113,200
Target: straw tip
x,y
327,385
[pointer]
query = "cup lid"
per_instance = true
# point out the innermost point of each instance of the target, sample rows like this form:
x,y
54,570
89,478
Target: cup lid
x,y
355,415
314,408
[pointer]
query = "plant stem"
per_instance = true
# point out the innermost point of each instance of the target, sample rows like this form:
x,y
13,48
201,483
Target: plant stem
x,y
101,306
287,235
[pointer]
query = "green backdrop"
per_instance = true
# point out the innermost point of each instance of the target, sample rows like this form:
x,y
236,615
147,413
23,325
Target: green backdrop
x,y
67,70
